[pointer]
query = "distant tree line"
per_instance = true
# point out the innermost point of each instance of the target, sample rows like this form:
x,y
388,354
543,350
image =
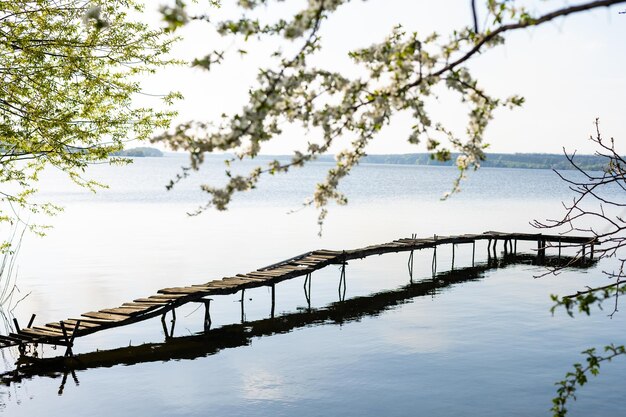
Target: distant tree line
x,y
492,160
139,152
498,160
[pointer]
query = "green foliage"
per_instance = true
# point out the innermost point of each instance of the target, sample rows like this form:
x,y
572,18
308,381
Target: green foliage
x,y
70,70
401,75
579,376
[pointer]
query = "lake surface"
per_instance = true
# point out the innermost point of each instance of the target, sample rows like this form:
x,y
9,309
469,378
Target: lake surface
x,y
480,344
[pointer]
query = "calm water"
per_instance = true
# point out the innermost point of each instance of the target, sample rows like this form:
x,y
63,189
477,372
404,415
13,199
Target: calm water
x,y
481,344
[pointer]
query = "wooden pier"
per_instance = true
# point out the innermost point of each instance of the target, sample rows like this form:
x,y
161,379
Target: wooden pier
x,y
241,334
64,332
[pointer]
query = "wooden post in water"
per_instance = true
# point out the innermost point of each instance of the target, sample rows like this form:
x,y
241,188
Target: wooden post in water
x,y
473,251
273,299
17,325
453,246
32,319
411,258
168,333
342,280
590,254
207,314
541,250
410,265
307,294
243,312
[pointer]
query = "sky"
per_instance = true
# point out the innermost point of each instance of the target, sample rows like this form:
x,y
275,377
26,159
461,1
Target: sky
x,y
570,71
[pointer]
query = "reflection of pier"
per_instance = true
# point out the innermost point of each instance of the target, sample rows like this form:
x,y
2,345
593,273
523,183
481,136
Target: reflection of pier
x,y
212,341
168,299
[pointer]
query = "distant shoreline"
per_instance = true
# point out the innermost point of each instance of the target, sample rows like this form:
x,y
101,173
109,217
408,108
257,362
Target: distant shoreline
x,y
494,160
139,152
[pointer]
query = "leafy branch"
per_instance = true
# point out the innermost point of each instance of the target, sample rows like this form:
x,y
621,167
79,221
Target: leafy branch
x,y
579,376
401,75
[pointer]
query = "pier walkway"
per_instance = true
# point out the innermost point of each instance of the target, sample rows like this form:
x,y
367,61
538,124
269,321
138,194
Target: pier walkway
x,y
64,332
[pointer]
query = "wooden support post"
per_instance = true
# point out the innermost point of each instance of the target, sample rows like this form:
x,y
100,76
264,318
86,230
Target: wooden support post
x,y
74,332
488,249
410,266
473,251
17,325
591,252
453,246
32,319
307,293
541,250
515,247
207,314
64,330
68,350
434,264
559,248
168,333
165,331
495,253
538,248
273,299
342,280
243,312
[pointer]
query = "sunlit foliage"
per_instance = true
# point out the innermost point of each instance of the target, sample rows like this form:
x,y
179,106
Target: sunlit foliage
x,y
399,74
70,70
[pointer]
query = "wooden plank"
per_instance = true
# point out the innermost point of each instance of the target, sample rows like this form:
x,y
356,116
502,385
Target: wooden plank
x,y
283,267
147,306
306,263
328,252
101,322
104,316
248,279
253,277
179,290
40,333
264,276
70,324
314,262
325,255
123,311
49,329
170,297
319,258
159,302
226,284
